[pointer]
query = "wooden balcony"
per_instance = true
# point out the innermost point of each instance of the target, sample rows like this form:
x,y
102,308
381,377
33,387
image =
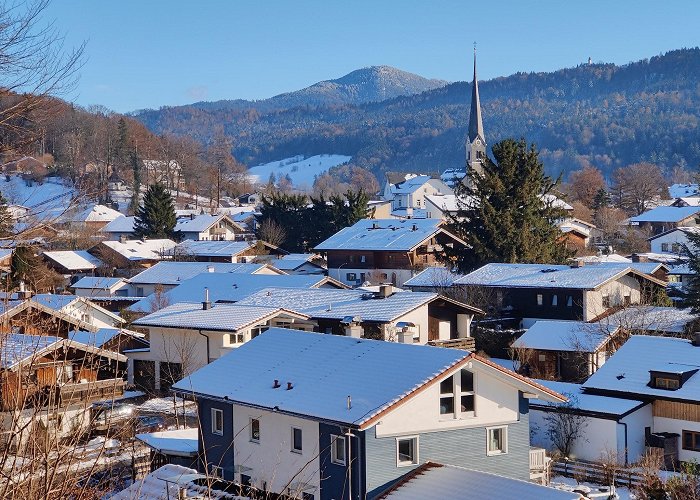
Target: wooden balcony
x,y
91,391
539,465
466,344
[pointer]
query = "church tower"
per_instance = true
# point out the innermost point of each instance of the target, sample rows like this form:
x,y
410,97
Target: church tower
x,y
476,142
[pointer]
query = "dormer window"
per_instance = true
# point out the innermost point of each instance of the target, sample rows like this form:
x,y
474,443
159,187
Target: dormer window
x,y
671,376
666,383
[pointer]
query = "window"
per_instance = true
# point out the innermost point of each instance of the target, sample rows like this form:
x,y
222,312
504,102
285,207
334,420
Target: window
x,y
555,300
664,247
338,450
569,301
466,393
627,300
447,403
691,440
350,277
606,300
540,299
461,396
217,421
406,451
139,291
676,248
670,384
255,331
255,430
496,440
296,440
235,338
363,258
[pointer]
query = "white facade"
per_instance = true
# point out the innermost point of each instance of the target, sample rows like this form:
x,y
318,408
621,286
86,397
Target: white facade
x,y
416,198
622,291
672,242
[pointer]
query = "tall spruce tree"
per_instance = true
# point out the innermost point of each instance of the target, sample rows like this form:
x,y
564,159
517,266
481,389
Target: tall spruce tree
x,y
691,297
508,213
156,217
6,222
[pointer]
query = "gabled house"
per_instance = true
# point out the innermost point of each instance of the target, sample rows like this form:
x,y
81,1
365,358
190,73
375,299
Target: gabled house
x,y
130,254
412,190
673,241
225,251
93,218
121,228
72,263
99,286
385,250
206,227
662,371
352,426
111,339
299,263
661,219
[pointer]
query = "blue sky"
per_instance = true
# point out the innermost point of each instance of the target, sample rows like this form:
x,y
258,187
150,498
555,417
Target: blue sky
x,y
150,53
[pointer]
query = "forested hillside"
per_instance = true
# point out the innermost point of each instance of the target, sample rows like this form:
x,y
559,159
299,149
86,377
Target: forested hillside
x,y
601,114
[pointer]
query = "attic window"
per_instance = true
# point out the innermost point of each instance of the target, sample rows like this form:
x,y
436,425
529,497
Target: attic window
x,y
667,383
671,377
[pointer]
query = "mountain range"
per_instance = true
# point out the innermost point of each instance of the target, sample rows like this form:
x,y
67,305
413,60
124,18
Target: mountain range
x,y
606,115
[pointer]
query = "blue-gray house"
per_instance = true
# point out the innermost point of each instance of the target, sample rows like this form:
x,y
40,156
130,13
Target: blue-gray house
x,y
331,417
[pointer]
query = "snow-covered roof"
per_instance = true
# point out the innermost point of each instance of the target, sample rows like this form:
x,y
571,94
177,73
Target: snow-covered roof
x,y
566,336
555,201
227,287
598,259
666,214
96,213
685,230
167,482
121,224
294,260
593,403
168,406
445,202
337,304
101,336
174,273
681,190
74,260
651,319
545,275
213,248
18,347
433,277
54,301
432,480
97,282
136,250
246,375
642,267
627,371
220,317
409,213
410,185
200,223
382,234
681,269
179,442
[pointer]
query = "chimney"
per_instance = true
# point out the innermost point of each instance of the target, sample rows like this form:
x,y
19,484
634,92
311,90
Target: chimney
x,y
639,258
353,327
23,293
404,336
191,216
123,238
290,386
206,305
577,263
210,269
696,339
414,227
276,384
385,290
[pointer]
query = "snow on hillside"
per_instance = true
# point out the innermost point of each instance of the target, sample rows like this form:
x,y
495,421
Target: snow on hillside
x,y
301,171
46,200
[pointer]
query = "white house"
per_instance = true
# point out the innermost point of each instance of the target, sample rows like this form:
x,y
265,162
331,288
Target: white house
x,y
411,192
98,286
206,227
120,228
79,308
673,241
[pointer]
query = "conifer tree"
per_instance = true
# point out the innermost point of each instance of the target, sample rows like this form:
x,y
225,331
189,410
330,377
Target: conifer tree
x,y
508,214
601,199
692,290
156,217
6,222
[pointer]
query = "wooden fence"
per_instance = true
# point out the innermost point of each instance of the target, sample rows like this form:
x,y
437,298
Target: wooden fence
x,y
603,474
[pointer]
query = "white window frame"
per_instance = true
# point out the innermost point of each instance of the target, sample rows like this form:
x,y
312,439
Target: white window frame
x,y
250,430
335,440
540,299
462,392
504,451
301,434
416,458
214,413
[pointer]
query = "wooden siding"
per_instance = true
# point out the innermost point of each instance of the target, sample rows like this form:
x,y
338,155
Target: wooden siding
x,y
676,410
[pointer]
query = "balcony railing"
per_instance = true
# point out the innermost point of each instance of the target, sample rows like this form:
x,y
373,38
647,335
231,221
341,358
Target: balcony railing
x,y
91,391
539,465
466,344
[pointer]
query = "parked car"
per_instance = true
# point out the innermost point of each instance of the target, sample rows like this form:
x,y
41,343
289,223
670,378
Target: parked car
x,y
146,423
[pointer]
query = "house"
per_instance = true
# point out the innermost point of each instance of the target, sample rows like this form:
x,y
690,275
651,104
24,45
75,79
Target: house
x,y
177,447
229,287
673,241
411,192
441,206
432,480
93,218
249,199
129,254
299,263
225,251
79,308
47,384
119,229
112,339
72,262
570,351
590,233
6,259
172,480
683,190
186,336
206,227
26,164
578,292
679,276
379,209
385,250
608,425
406,317
663,372
661,219
99,286
573,239
653,320
167,275
357,422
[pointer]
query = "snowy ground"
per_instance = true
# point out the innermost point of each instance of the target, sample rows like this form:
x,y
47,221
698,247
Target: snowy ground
x,y
302,171
569,483
47,200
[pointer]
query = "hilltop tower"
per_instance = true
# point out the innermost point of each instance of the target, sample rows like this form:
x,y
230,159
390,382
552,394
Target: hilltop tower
x,y
476,142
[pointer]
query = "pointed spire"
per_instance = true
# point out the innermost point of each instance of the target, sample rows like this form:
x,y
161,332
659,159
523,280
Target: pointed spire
x,y
476,127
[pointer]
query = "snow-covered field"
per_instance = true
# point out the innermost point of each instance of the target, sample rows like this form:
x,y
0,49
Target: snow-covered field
x,y
47,200
302,171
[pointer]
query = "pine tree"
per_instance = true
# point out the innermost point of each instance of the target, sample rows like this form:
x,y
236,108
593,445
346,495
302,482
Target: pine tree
x,y
601,199
136,168
508,214
156,217
692,290
6,222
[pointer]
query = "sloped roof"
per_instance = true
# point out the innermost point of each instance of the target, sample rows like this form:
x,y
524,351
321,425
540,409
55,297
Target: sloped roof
x,y
433,277
293,261
17,347
220,317
54,301
74,260
214,248
410,185
121,224
686,230
681,190
586,402
445,202
136,250
101,336
627,371
382,234
651,319
96,282
179,442
431,480
547,275
200,223
246,375
228,287
666,214
174,273
566,336
97,213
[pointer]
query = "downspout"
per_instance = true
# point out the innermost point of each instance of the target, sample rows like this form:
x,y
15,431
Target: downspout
x,y
626,452
350,435
207,338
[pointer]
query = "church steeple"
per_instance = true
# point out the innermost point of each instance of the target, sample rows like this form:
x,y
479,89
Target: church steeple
x,y
476,142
